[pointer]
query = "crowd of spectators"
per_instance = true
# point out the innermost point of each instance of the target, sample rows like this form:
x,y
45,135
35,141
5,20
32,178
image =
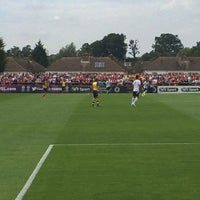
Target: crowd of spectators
x,y
155,79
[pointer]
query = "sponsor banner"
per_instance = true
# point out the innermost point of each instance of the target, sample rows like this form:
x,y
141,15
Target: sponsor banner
x,y
53,88
56,88
19,88
32,88
178,89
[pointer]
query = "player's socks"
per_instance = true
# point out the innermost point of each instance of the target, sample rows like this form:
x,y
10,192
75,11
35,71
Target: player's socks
x,y
97,101
135,100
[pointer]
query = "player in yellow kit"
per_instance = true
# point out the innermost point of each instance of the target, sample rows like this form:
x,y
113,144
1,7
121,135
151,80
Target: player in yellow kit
x,y
95,90
45,87
63,84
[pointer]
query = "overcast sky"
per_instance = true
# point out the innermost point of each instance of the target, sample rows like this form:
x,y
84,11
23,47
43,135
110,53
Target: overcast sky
x,y
57,23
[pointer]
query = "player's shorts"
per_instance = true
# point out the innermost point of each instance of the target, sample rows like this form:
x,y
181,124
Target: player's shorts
x,y
135,94
144,89
63,88
95,93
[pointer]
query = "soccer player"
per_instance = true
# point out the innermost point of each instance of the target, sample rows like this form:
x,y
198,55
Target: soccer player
x,y
63,84
45,86
145,86
136,90
95,89
108,86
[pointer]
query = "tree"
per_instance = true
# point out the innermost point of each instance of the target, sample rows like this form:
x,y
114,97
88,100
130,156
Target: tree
x,y
149,56
52,58
112,44
14,52
84,50
184,52
67,51
2,56
97,48
39,54
26,51
195,51
134,49
167,45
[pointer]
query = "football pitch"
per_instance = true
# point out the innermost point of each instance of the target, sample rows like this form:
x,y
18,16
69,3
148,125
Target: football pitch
x,y
62,148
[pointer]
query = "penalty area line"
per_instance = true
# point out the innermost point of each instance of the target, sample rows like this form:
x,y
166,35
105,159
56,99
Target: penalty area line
x,y
34,173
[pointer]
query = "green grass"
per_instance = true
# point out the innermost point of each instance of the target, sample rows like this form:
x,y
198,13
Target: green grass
x,y
141,170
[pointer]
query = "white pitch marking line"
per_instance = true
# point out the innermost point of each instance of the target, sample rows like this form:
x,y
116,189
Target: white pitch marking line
x,y
130,144
34,173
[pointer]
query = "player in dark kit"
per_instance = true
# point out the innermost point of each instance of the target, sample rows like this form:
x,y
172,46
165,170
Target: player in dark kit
x,y
63,84
95,89
45,87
